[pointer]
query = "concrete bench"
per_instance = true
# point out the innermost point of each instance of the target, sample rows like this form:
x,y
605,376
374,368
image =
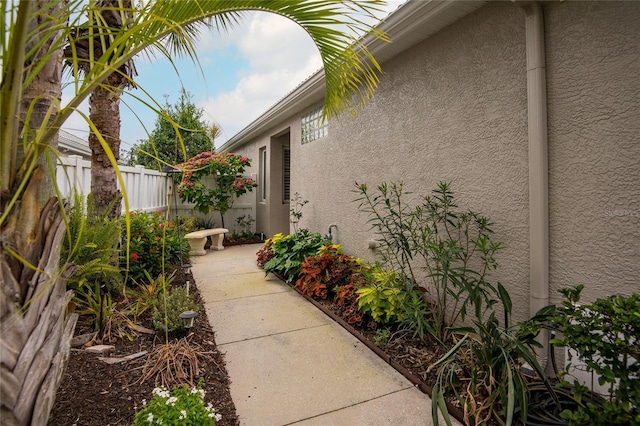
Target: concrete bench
x,y
198,239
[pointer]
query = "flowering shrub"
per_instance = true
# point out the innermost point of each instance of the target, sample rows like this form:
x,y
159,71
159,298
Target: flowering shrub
x,y
185,407
153,240
226,170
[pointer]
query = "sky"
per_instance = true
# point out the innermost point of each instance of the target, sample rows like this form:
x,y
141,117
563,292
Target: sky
x,y
242,74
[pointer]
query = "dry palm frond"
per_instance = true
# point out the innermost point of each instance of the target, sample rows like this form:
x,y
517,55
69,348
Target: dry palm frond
x,y
175,363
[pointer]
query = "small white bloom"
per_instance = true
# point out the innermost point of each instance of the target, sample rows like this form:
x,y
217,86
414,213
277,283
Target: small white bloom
x,y
209,407
150,417
171,401
144,402
194,391
183,414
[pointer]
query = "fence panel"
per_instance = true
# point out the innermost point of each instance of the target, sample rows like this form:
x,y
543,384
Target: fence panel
x,y
146,189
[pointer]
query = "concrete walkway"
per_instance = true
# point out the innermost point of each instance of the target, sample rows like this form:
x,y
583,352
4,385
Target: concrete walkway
x,y
288,362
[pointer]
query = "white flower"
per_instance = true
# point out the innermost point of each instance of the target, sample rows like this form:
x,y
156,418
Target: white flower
x,y
150,417
161,392
172,401
144,402
183,414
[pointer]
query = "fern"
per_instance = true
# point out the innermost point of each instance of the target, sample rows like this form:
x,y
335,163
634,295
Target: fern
x,y
91,245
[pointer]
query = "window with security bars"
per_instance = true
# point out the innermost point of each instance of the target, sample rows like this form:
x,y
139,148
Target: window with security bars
x,y
286,175
313,127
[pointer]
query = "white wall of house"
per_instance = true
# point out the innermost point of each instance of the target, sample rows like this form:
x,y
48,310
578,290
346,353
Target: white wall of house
x,y
454,108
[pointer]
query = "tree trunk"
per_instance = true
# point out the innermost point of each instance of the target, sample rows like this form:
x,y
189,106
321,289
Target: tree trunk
x,y
34,327
104,112
34,334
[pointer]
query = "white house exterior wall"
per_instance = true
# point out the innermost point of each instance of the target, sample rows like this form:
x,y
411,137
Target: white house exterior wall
x,y
593,80
454,108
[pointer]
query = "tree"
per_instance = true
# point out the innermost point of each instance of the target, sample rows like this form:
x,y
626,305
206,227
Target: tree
x,y
225,170
181,121
34,325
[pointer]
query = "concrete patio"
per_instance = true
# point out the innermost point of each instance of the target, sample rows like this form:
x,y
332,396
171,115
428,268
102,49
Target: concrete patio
x,y
288,362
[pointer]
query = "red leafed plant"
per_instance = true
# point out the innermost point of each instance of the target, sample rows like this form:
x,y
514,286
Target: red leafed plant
x,y
323,273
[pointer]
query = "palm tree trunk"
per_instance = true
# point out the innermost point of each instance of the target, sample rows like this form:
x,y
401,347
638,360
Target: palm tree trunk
x,y
35,333
104,112
35,329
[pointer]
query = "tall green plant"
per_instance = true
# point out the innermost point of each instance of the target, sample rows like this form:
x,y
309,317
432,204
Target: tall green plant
x,y
452,247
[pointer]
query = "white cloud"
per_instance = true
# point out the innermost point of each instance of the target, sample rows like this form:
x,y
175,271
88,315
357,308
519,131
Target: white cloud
x,y
280,55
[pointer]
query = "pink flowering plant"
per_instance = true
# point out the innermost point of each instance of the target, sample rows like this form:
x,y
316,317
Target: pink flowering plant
x,y
226,170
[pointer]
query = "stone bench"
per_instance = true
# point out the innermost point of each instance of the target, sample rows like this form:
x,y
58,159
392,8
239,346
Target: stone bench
x,y
198,239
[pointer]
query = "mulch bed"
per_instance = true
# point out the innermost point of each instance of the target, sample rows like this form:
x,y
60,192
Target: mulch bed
x,y
96,393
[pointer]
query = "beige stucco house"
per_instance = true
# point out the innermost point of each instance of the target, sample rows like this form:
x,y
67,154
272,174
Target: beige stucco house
x,y
530,109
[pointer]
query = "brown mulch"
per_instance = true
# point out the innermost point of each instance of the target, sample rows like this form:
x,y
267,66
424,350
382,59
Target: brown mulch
x,y
96,393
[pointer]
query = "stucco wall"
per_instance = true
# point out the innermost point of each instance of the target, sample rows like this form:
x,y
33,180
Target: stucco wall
x,y
593,75
452,108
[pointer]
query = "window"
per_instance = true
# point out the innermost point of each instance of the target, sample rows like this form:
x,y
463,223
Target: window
x,y
286,175
262,181
313,127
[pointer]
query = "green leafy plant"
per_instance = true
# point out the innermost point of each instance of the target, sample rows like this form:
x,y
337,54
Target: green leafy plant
x,y
452,247
91,245
384,298
285,253
108,317
297,203
381,337
484,370
145,294
226,171
181,406
243,227
167,309
605,336
188,224
154,244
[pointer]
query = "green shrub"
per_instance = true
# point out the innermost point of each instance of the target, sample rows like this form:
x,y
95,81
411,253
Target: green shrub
x,y
154,245
188,224
383,299
167,310
605,334
286,253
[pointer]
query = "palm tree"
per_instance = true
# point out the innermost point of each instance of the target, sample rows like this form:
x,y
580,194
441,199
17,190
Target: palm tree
x,y
34,327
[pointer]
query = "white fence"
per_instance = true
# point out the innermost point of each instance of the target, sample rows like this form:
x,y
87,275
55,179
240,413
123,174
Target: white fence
x,y
149,190
146,189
